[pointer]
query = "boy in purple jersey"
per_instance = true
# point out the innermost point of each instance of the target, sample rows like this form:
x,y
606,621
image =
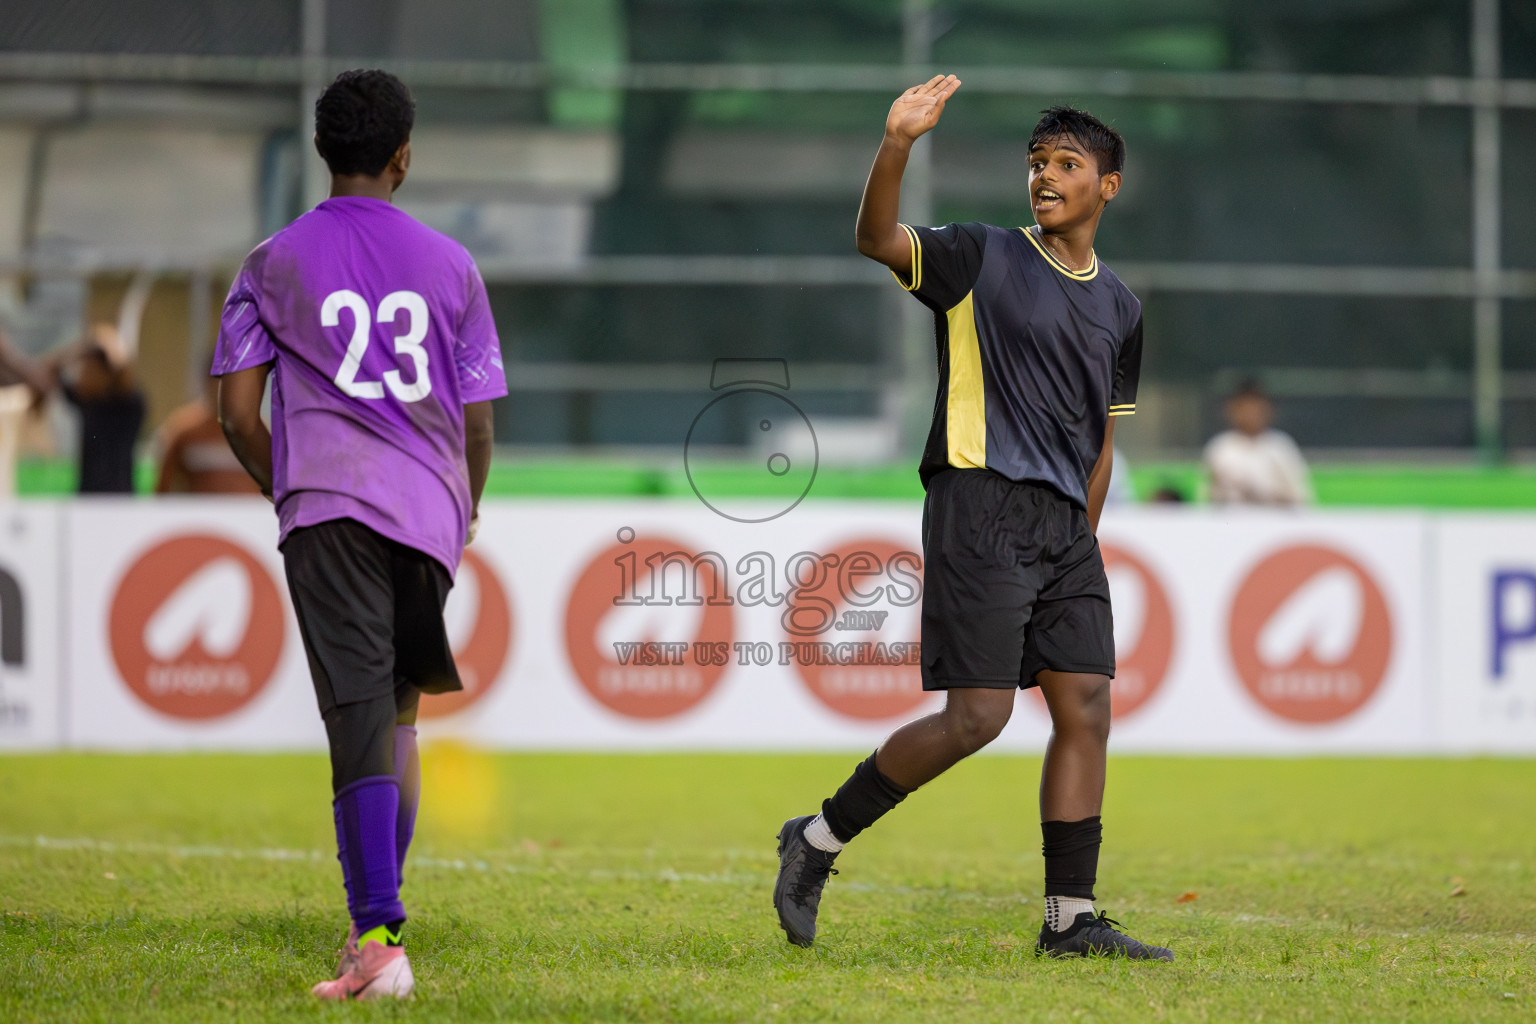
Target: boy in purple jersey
x,y
384,360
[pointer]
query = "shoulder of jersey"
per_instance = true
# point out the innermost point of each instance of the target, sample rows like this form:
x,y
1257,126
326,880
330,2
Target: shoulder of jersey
x,y
1127,297
453,244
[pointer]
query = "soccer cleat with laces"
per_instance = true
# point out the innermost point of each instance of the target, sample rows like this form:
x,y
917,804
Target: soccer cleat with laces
x,y
1090,935
803,871
381,972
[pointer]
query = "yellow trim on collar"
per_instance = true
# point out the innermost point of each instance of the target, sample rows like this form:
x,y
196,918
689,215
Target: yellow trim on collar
x,y
1086,275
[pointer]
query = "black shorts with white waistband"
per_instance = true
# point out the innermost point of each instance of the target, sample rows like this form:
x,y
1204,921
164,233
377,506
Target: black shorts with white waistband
x,y
370,611
1013,584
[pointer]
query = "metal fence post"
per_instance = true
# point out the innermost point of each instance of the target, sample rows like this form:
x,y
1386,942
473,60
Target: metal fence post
x,y
1487,325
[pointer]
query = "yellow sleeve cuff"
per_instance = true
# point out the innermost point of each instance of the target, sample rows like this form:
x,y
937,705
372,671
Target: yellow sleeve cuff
x,y
917,262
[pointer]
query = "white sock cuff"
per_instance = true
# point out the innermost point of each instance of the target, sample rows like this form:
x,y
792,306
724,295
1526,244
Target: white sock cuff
x,y
819,835
1061,911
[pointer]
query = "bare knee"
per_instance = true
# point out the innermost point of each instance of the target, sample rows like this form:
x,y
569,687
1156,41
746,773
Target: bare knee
x,y
1079,703
975,717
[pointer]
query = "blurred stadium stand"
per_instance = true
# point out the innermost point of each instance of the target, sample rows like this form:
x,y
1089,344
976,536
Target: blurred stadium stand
x,y
1331,195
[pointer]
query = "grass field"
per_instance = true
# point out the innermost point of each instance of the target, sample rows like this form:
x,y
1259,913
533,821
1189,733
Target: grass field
x,y
586,887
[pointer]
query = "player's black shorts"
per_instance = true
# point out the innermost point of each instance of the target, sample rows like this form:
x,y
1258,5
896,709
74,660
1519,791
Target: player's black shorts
x,y
370,611
1012,584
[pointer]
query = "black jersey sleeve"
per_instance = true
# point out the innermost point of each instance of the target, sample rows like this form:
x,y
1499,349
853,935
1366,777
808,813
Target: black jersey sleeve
x,y
945,262
1122,397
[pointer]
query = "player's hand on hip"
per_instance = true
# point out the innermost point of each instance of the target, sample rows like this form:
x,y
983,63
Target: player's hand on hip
x,y
474,529
919,108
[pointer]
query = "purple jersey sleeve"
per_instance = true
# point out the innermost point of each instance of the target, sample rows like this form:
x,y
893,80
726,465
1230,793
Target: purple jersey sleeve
x,y
477,350
243,339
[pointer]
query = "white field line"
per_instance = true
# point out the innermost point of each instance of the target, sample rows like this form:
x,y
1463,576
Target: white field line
x,y
169,851
263,853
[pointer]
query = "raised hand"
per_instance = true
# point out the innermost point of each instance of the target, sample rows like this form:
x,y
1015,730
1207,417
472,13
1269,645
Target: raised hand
x,y
918,109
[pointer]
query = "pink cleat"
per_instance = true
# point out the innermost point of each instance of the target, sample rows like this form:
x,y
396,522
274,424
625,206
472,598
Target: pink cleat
x,y
380,972
349,953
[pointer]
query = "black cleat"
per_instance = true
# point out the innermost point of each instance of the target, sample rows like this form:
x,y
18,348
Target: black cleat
x,y
803,871
1096,936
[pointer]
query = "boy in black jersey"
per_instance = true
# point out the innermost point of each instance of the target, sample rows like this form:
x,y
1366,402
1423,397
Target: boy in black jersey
x,y
1039,349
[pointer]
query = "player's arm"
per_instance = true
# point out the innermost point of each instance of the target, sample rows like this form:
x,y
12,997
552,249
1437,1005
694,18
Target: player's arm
x,y
479,438
240,395
38,374
1098,479
915,111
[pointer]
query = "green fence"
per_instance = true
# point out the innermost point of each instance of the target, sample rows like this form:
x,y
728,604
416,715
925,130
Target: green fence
x,y
1343,485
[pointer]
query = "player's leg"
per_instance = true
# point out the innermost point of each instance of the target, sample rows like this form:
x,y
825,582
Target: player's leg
x,y
1069,652
407,770
423,663
912,756
1072,791
339,581
1071,797
977,594
922,750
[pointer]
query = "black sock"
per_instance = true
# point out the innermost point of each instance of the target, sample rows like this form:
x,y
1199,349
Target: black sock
x,y
1071,850
859,802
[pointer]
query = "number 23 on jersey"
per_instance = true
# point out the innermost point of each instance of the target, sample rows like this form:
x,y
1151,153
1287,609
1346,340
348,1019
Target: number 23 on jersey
x,y
408,343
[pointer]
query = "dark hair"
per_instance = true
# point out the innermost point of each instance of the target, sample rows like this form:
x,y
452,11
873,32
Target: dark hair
x,y
1101,141
1248,387
361,119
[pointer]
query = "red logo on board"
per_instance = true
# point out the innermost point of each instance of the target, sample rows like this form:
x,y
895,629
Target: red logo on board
x,y
196,627
857,668
479,602
1310,634
1144,631
649,626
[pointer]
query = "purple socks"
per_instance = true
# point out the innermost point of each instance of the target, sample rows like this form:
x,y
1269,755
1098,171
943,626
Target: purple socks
x,y
375,820
408,775
367,812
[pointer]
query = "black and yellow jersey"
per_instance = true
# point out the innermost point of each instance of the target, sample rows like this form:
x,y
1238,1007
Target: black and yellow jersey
x,y
1032,356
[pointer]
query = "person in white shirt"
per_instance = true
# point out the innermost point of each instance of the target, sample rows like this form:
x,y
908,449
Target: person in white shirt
x,y
1252,463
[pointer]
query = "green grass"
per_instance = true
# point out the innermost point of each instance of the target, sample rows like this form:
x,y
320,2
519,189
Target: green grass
x,y
598,887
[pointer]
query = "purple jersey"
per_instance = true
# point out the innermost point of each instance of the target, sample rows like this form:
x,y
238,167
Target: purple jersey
x,y
381,334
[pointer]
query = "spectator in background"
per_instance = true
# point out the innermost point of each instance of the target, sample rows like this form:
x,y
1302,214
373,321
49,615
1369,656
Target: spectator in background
x,y
1252,463
194,456
15,402
96,375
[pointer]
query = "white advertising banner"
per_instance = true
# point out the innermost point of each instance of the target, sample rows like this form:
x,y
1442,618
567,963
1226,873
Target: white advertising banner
x,y
30,641
666,624
649,625
1485,612
1263,632
181,631
654,625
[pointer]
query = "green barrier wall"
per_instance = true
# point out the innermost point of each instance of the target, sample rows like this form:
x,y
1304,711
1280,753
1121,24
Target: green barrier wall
x,y
1369,486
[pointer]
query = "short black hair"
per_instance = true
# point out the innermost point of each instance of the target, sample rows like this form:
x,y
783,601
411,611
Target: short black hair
x,y
1248,387
1101,141
361,120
